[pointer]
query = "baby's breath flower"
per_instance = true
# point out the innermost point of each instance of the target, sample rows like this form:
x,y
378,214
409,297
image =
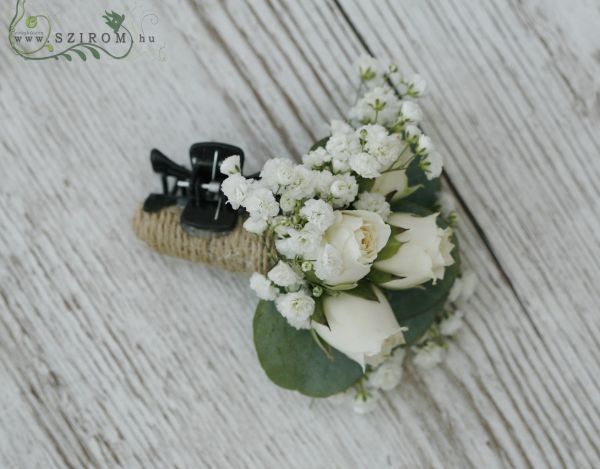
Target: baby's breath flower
x,y
263,287
283,275
318,213
236,188
452,323
411,111
429,355
373,202
261,203
255,225
432,164
297,308
231,165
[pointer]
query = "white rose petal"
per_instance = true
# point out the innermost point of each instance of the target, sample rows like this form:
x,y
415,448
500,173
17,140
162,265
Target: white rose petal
x,y
358,236
361,329
231,165
392,182
263,287
297,308
283,275
424,254
329,264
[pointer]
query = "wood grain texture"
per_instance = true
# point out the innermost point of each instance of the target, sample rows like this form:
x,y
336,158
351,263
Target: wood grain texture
x,y
113,356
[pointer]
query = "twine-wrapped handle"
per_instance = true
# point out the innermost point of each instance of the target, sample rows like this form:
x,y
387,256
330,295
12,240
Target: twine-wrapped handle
x,y
236,251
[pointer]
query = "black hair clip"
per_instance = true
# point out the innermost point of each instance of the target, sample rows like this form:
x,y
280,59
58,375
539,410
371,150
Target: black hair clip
x,y
197,191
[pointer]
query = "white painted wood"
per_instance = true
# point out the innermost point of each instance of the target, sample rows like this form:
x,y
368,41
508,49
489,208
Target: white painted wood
x,y
115,356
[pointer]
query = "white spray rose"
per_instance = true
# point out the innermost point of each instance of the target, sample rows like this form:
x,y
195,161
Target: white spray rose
x,y
231,165
297,308
361,329
263,287
358,236
424,253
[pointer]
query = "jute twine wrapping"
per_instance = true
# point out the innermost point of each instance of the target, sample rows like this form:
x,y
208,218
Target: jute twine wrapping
x,y
237,251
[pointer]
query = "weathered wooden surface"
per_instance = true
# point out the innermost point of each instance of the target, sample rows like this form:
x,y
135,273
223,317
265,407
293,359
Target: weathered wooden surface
x,y
114,356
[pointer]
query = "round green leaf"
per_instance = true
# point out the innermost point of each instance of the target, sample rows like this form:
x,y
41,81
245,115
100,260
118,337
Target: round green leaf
x,y
293,360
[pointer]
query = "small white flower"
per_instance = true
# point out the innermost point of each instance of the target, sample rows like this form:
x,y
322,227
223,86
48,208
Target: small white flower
x,y
283,275
255,225
424,145
428,356
369,69
447,203
316,158
433,165
287,204
297,308
261,203
299,243
412,133
318,213
231,165
452,324
365,404
387,376
323,181
263,287
411,111
417,85
365,165
379,105
236,188
329,263
385,147
341,145
373,202
344,189
277,172
302,185
337,126
463,288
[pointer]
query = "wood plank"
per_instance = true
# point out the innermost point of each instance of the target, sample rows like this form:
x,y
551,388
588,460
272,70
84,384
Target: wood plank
x,y
117,356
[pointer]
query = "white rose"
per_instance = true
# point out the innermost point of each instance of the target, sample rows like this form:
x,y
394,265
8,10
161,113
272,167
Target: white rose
x,y
297,308
358,236
263,287
423,255
361,329
231,165
393,182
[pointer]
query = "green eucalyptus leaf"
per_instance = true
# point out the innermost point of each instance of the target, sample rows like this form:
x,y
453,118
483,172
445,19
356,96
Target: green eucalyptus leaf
x,y
365,291
293,360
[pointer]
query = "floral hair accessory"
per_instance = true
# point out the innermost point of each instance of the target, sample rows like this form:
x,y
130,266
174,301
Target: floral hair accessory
x,y
361,262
